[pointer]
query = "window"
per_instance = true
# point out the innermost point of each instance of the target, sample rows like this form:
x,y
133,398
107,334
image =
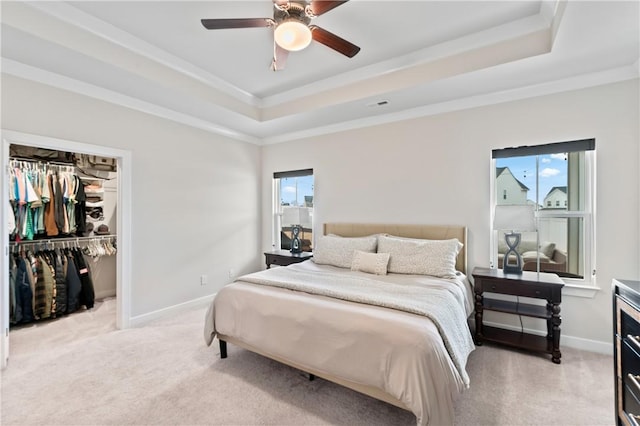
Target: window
x,y
293,205
557,180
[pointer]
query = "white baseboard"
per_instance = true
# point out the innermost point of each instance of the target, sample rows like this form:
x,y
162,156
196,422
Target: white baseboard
x,y
105,294
171,310
568,341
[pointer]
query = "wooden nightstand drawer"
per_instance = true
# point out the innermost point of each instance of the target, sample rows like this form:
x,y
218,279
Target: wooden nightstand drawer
x,y
280,261
285,258
518,289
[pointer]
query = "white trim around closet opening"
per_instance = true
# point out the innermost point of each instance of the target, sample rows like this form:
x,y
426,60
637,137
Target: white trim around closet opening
x,y
123,228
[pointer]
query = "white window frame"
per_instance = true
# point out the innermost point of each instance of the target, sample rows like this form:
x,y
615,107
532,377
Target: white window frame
x,y
276,210
582,287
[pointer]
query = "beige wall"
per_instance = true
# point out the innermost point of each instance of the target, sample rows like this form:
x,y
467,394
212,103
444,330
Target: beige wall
x,y
437,169
195,200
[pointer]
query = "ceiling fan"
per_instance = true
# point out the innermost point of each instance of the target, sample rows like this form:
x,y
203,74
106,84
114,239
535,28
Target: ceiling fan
x,y
292,28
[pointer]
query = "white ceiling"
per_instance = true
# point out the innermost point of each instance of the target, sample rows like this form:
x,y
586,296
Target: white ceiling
x,y
423,57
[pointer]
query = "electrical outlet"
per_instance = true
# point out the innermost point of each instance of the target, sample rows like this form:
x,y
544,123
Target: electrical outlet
x,y
231,273
204,280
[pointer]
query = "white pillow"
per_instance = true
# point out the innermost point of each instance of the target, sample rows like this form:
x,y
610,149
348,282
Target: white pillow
x,y
372,263
422,257
338,251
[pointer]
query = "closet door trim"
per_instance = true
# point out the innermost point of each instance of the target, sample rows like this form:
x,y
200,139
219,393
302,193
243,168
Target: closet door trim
x,y
123,231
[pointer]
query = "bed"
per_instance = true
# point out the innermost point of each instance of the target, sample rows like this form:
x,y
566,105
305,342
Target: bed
x,y
399,337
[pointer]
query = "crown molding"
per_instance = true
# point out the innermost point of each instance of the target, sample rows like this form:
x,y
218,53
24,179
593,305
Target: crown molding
x,y
49,78
76,17
584,81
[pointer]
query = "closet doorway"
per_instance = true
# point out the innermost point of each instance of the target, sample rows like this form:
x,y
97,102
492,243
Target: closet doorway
x,y
123,221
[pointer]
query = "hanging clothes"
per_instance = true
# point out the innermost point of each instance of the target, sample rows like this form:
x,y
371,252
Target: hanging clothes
x,y
61,284
87,294
39,295
59,204
24,294
74,285
43,199
46,283
80,210
47,280
14,318
50,225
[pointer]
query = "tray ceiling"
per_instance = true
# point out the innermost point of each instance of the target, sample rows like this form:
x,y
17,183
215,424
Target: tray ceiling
x,y
417,58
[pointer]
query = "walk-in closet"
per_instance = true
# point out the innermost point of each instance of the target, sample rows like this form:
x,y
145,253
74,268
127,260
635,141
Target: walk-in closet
x,y
62,243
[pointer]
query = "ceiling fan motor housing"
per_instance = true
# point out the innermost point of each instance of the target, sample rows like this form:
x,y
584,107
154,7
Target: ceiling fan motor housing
x,y
294,10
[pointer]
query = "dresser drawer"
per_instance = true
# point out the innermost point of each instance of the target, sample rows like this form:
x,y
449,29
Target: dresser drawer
x,y
630,359
631,404
524,289
629,326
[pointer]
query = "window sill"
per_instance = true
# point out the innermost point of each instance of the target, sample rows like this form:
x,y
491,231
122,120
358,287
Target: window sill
x,y
577,290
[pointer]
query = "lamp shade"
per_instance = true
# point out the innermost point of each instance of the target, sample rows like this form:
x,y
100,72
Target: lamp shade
x,y
295,216
514,218
292,35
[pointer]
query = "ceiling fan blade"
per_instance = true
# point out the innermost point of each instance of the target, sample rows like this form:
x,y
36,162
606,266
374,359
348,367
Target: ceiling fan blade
x,y
222,24
280,56
323,6
333,41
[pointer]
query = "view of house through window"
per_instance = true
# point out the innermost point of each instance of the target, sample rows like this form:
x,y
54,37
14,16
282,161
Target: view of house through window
x,y
558,186
293,196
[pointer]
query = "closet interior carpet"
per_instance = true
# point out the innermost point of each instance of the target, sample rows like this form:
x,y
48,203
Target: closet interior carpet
x,y
80,370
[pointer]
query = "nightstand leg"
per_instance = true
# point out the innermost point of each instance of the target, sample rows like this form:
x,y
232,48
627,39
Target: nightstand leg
x,y
478,307
556,321
223,349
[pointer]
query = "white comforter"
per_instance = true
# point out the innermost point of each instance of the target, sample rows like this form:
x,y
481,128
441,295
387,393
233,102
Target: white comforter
x,y
401,353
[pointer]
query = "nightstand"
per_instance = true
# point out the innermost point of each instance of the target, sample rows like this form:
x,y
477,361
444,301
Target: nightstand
x,y
528,284
285,257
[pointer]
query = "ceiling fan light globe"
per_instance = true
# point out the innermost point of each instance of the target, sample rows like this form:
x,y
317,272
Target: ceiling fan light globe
x,y
292,35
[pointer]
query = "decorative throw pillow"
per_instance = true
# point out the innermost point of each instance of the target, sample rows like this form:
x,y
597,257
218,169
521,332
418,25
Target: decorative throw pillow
x,y
372,263
547,248
338,251
422,257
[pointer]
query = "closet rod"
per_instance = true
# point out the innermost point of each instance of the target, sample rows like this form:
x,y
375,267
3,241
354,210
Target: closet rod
x,y
62,240
42,162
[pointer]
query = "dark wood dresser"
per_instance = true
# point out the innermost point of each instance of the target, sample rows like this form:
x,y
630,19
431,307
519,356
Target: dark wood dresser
x,y
626,350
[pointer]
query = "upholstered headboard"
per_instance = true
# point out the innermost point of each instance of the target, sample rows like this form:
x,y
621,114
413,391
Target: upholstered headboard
x,y
427,232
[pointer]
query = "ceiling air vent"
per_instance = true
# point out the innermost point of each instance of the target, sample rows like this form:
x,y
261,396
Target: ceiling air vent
x,y
378,104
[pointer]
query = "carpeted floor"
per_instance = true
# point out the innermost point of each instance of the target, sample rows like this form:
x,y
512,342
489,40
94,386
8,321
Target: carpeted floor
x,y
80,370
